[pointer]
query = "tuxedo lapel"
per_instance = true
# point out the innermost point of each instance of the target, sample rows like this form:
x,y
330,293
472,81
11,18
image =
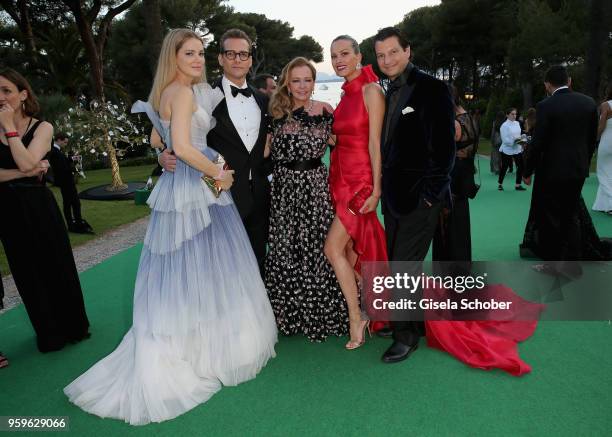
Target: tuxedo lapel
x,y
260,99
221,114
262,102
405,94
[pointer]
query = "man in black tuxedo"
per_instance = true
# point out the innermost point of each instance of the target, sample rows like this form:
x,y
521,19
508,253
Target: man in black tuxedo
x,y
418,151
560,154
63,178
240,136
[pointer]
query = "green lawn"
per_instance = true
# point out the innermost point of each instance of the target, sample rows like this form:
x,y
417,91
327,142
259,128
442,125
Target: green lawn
x,y
102,215
484,146
320,389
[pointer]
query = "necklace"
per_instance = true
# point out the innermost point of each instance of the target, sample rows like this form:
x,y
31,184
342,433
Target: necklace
x,y
309,106
307,109
21,125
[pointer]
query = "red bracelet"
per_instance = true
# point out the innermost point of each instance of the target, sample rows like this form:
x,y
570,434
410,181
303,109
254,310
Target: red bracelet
x,y
11,134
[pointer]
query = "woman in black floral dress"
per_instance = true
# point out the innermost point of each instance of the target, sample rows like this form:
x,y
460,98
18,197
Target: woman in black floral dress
x,y
302,286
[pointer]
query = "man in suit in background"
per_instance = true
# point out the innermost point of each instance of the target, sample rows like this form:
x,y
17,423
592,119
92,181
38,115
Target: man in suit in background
x,y
63,178
265,84
560,154
240,136
418,151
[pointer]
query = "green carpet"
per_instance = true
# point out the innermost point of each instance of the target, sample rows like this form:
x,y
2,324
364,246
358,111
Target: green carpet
x,y
321,389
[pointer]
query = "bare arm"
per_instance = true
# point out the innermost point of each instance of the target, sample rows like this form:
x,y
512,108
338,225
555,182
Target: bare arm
x,y
375,104
457,131
327,107
26,158
9,175
180,121
603,118
156,141
12,174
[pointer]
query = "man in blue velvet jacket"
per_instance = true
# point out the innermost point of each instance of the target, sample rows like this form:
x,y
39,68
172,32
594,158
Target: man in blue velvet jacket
x,y
418,151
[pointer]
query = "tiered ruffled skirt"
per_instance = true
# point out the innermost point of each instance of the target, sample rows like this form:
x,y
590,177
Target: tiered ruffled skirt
x,y
201,316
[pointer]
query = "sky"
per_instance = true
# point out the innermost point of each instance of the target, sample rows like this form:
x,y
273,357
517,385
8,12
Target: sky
x,y
326,19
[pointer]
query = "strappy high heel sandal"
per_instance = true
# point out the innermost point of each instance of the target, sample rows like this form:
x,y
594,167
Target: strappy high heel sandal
x,y
352,344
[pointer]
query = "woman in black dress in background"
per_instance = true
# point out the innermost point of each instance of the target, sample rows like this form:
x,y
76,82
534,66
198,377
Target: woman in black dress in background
x,y
453,239
32,229
302,287
593,248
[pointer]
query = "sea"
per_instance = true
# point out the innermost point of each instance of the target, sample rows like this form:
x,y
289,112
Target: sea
x,y
330,95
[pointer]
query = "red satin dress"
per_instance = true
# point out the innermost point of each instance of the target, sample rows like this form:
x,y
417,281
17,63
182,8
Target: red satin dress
x,y
486,344
350,171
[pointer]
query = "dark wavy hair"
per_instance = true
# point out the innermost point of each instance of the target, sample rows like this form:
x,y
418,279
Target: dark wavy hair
x,y
388,32
30,105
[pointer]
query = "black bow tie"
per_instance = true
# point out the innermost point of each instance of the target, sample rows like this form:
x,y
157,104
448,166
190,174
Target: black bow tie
x,y
246,92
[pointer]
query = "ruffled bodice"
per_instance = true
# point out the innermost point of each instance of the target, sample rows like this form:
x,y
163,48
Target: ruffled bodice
x,y
181,198
367,76
300,138
351,116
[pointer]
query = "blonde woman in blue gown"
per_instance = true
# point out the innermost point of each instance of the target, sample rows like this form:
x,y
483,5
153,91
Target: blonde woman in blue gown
x,y
201,315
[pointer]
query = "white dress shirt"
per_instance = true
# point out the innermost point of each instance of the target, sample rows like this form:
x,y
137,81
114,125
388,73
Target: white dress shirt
x,y
509,132
564,87
244,113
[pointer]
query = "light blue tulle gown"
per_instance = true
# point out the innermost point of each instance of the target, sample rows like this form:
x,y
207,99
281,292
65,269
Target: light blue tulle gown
x,y
201,315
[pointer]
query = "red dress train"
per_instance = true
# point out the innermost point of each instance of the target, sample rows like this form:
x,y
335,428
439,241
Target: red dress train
x,y
486,344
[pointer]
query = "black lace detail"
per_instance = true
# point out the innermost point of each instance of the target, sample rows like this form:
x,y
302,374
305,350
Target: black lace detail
x,y
301,284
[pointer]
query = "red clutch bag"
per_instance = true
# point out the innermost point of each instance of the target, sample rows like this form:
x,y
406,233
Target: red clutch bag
x,y
357,201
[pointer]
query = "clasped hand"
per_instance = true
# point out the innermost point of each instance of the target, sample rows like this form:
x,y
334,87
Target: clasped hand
x,y
369,205
38,171
226,182
168,161
7,114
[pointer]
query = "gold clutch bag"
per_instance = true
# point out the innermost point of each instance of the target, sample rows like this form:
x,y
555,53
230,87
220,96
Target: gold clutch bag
x,y
211,182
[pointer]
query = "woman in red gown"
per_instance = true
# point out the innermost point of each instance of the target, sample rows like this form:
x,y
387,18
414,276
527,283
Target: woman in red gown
x,y
355,235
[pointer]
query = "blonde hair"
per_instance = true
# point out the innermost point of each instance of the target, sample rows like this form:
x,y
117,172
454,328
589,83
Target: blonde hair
x,y
281,103
166,64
